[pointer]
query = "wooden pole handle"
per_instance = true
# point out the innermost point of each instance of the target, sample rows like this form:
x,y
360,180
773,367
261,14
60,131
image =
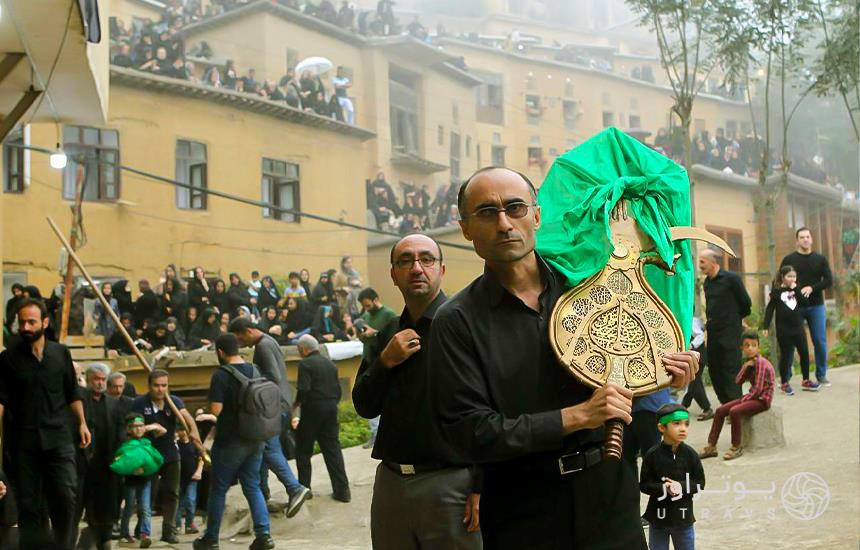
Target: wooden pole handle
x,y
614,439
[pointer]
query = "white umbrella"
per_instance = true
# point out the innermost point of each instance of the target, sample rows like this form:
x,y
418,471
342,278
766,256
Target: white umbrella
x,y
316,65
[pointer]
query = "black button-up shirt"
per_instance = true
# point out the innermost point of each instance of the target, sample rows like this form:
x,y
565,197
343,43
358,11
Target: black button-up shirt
x,y
318,380
496,383
726,302
36,394
408,432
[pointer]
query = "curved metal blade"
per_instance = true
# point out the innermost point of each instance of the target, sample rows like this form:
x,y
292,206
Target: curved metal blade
x,y
699,234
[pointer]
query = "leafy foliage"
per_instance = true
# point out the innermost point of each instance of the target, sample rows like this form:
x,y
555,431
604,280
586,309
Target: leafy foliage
x,y
837,69
847,348
354,430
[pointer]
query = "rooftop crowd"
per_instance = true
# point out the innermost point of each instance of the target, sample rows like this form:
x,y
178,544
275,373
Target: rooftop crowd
x,y
735,154
158,47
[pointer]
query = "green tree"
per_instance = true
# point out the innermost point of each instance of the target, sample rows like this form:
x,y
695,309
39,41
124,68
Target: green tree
x,y
837,69
688,35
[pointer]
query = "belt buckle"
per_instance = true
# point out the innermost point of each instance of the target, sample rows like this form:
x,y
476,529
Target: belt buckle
x,y
407,469
561,467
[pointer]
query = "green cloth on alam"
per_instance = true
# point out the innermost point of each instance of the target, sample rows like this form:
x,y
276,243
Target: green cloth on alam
x,y
137,454
577,198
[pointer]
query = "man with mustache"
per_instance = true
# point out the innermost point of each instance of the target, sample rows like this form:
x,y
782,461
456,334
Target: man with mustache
x,y
424,495
505,403
38,389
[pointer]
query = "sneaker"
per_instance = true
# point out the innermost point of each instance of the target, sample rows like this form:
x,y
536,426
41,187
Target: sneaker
x,y
786,389
191,530
296,500
204,544
809,385
128,539
262,542
824,381
145,541
170,537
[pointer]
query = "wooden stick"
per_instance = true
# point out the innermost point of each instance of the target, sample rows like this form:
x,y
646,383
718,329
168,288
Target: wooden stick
x,y
68,280
109,310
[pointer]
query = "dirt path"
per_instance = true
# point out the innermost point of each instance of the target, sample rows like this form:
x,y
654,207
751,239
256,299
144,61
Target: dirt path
x,y
760,499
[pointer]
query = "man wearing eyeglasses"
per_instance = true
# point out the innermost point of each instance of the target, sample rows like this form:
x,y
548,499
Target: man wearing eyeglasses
x,y
424,496
505,403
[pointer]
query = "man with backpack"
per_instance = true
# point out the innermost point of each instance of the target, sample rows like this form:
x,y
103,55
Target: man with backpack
x,y
235,387
270,360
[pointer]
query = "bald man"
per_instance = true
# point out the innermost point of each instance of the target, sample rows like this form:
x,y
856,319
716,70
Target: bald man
x,y
424,494
726,304
505,403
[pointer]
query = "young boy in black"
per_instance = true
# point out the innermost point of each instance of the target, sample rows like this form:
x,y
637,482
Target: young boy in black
x,y
671,473
190,473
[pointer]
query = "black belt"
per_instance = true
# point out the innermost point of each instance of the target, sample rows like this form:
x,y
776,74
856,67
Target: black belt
x,y
413,469
567,463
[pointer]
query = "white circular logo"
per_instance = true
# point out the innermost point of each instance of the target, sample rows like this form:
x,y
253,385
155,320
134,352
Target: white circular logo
x,y
805,496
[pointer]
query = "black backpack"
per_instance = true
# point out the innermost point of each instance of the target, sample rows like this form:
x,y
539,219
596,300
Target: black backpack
x,y
259,406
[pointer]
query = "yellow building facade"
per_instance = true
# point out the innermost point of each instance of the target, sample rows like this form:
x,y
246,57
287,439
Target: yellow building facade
x,y
136,233
422,118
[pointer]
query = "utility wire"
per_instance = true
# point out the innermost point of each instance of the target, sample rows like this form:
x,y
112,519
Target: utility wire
x,y
251,202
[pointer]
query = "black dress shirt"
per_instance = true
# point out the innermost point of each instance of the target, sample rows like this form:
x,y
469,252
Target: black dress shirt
x,y
408,432
318,380
727,303
496,383
36,394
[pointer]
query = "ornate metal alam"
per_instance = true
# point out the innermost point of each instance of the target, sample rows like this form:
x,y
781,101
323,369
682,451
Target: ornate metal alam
x,y
613,328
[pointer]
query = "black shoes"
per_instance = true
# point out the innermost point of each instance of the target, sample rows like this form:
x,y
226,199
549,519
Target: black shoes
x,y
342,497
262,542
204,544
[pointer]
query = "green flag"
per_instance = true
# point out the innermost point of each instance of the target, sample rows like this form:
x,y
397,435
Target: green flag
x,y
577,198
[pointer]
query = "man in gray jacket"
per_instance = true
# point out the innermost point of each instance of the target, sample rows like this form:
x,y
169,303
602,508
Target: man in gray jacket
x,y
270,362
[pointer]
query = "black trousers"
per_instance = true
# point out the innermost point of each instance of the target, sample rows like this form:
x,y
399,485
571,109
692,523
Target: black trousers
x,y
696,389
319,424
724,362
788,342
168,493
596,508
639,436
98,488
45,479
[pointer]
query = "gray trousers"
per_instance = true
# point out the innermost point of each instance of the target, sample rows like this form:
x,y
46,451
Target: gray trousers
x,y
423,511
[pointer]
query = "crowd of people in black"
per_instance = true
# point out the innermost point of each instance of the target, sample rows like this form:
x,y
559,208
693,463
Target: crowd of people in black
x,y
731,153
85,446
417,211
190,313
159,48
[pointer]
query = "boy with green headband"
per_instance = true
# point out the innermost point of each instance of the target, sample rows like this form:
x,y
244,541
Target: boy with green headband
x,y
137,460
671,474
